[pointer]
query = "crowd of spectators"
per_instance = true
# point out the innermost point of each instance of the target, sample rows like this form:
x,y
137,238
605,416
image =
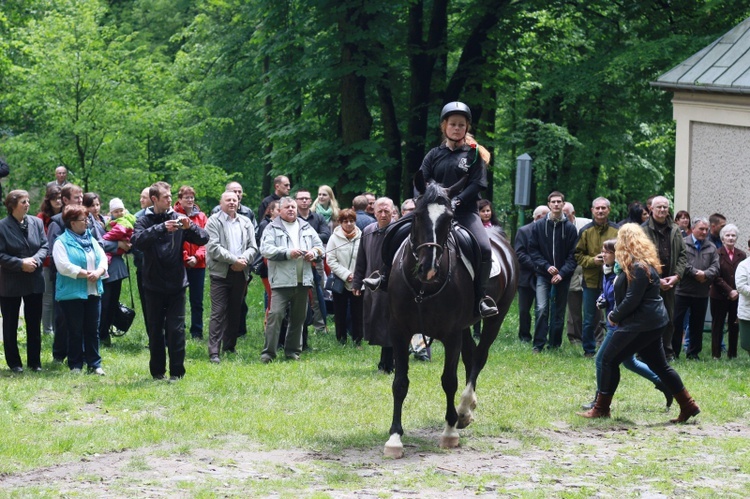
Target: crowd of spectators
x,y
312,255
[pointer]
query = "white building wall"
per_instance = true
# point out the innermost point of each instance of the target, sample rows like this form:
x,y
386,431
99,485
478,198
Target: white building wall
x,y
712,157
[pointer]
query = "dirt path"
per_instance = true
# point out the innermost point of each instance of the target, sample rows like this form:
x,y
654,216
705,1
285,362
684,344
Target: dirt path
x,y
235,467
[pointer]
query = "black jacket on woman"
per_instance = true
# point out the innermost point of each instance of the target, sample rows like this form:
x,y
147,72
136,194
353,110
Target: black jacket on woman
x,y
14,247
447,166
638,304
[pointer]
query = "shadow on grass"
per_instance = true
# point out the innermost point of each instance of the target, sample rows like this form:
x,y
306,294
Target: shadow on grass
x,y
131,348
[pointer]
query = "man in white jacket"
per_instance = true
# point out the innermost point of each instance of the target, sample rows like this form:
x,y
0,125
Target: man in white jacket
x,y
230,250
290,245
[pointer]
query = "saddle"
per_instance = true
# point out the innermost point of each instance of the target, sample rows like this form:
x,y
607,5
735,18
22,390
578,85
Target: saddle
x,y
468,247
460,239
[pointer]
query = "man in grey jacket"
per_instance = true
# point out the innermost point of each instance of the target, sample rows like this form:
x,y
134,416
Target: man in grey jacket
x,y
692,291
230,250
290,245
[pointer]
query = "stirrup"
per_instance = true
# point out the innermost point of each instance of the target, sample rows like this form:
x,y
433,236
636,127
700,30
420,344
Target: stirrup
x,y
374,281
487,307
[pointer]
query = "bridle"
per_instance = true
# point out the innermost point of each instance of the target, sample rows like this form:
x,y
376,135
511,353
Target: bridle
x,y
420,296
416,248
439,247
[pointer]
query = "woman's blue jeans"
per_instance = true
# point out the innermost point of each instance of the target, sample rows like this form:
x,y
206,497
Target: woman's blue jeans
x,y
632,364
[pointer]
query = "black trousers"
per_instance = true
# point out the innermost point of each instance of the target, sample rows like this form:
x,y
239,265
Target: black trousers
x,y
670,331
648,345
526,297
110,300
166,317
32,310
343,302
720,310
60,341
141,295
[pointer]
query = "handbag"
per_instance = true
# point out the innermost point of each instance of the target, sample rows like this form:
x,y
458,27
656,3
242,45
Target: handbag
x,y
123,315
335,284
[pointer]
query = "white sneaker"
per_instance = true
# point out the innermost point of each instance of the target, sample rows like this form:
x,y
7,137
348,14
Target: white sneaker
x,y
98,371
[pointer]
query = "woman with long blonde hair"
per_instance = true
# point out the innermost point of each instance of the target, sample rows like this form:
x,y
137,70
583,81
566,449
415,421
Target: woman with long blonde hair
x,y
640,317
326,205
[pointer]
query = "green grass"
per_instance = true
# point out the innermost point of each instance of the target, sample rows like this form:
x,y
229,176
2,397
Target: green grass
x,y
333,403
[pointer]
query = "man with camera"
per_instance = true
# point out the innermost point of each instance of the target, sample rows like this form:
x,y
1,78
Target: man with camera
x,y
159,234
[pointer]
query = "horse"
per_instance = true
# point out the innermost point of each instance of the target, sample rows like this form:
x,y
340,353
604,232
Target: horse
x,y
431,292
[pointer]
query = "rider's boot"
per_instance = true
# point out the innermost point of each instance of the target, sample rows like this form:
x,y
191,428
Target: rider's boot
x,y
378,279
485,304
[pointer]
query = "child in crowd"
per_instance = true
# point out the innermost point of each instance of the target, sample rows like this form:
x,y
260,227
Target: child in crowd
x,y
120,225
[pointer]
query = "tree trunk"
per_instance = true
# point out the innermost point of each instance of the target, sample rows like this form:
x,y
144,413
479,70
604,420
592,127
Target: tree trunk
x,y
422,56
392,137
268,148
356,122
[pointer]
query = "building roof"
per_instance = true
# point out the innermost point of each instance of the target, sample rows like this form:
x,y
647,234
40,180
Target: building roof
x,y
723,66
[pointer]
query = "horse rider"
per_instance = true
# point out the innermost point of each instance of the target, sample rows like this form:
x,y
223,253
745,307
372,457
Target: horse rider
x,y
458,157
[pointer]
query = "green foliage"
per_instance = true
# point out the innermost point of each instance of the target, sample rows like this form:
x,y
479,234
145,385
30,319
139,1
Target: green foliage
x,y
328,92
72,85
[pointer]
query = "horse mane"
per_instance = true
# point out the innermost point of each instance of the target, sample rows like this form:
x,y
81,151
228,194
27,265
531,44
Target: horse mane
x,y
433,193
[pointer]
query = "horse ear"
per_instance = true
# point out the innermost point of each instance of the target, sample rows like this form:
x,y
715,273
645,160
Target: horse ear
x,y
456,188
419,183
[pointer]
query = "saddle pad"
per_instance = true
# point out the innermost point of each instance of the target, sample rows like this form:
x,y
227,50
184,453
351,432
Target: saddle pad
x,y
495,271
496,268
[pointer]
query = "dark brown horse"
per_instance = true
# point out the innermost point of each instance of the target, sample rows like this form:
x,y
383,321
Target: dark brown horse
x,y
431,292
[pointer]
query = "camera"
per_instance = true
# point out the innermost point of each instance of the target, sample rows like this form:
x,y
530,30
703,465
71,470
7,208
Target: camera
x,y
601,302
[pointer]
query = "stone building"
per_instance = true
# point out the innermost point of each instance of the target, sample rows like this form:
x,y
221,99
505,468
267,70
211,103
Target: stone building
x,y
712,113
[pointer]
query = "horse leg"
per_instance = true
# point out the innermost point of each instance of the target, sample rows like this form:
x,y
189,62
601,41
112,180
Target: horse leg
x,y
394,447
492,326
467,351
468,400
449,438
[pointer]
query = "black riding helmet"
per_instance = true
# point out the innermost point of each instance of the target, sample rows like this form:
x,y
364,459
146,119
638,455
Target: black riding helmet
x,y
455,108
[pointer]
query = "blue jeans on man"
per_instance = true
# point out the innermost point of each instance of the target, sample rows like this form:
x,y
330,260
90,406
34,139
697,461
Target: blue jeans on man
x,y
696,306
591,317
551,302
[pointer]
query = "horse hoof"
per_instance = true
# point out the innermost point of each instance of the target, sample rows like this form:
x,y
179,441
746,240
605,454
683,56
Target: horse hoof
x,y
394,449
464,420
393,452
450,442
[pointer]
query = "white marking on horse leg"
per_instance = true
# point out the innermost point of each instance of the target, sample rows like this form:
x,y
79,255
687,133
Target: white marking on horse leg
x,y
393,447
435,211
466,406
449,438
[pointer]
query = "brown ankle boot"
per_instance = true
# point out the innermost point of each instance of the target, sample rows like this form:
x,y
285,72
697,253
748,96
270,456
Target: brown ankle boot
x,y
600,409
688,407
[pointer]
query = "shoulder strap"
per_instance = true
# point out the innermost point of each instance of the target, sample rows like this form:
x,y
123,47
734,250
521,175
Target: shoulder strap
x,y
130,283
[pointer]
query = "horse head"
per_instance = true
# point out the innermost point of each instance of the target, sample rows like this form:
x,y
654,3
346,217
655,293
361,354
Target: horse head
x,y
431,226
